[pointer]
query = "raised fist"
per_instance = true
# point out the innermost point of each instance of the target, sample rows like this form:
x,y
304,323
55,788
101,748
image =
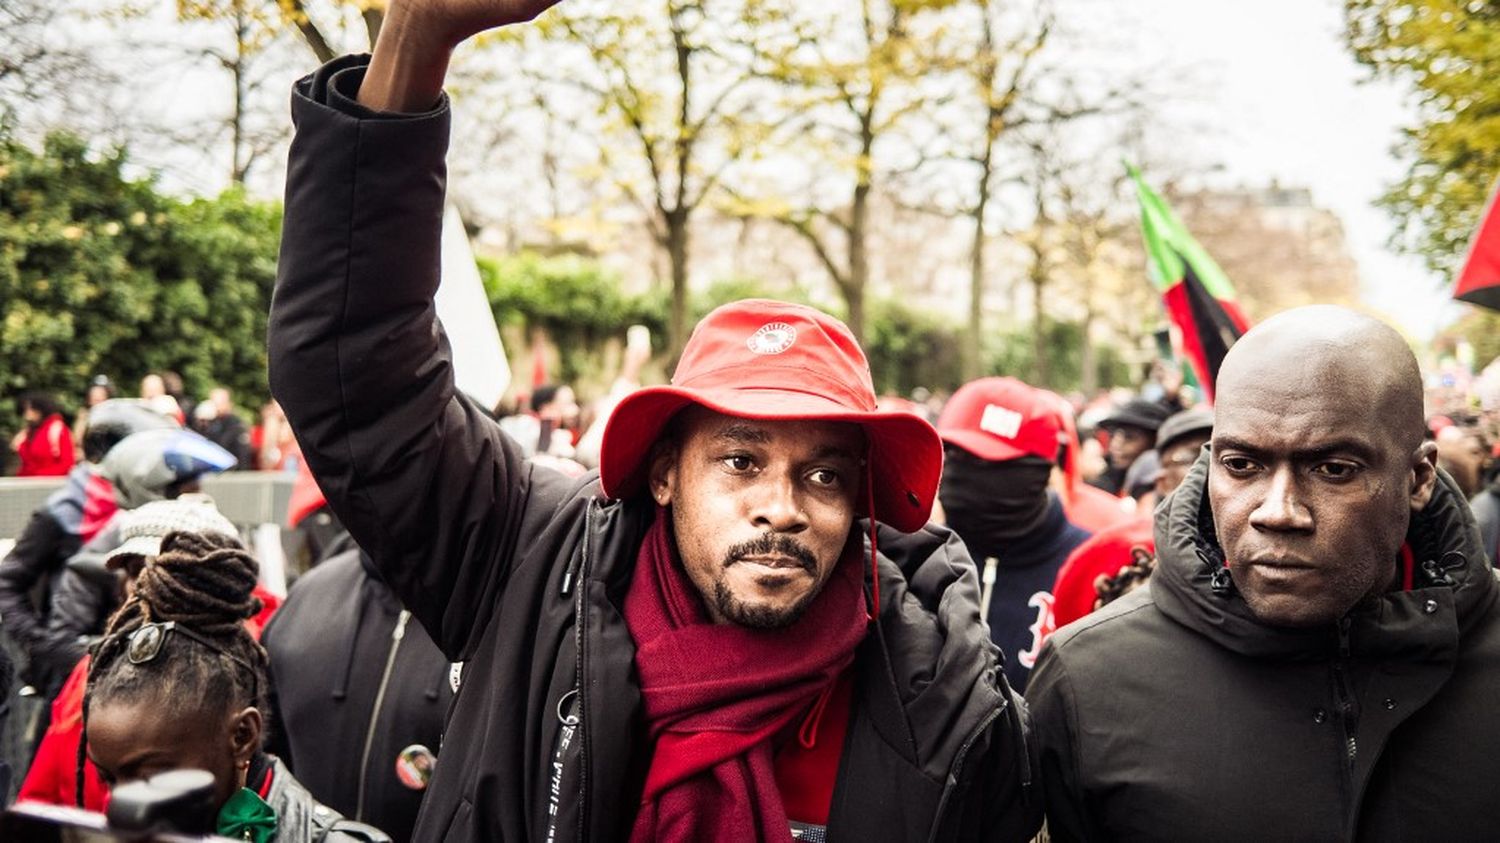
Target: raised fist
x,y
452,21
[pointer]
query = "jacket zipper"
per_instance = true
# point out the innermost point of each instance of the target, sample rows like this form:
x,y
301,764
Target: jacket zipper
x,y
580,625
956,768
1348,714
987,580
385,680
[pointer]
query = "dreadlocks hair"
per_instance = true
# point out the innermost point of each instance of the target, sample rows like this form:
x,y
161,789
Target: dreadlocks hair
x,y
203,583
1129,578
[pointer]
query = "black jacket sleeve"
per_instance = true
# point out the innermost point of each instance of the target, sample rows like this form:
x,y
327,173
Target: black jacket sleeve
x,y
37,555
422,478
1486,506
79,609
1055,729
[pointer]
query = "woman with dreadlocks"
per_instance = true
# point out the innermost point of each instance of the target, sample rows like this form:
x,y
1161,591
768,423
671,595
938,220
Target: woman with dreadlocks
x,y
177,682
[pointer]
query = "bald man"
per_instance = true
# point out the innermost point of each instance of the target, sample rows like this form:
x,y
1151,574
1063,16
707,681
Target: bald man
x,y
1318,654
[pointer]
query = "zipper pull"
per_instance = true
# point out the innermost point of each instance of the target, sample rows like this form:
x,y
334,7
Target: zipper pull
x,y
571,572
1221,583
988,590
400,631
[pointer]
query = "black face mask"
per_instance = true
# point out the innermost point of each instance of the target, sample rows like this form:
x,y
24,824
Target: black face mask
x,y
989,503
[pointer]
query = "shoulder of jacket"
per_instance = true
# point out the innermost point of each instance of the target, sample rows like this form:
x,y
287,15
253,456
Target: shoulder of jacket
x,y
1107,623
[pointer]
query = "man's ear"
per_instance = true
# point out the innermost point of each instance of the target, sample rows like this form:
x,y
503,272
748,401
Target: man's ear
x,y
663,478
1424,475
244,733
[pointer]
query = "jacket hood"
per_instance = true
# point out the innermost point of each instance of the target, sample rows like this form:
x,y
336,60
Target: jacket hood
x,y
946,671
1453,584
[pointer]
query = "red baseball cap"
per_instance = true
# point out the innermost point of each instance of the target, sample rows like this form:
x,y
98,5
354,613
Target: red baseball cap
x,y
1000,419
771,360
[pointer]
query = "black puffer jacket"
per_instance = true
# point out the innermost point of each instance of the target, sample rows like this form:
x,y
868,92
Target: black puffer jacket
x,y
353,684
521,573
29,575
1173,714
1486,506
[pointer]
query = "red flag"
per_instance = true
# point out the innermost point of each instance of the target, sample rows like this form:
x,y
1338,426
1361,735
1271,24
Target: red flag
x,y
1199,299
1479,281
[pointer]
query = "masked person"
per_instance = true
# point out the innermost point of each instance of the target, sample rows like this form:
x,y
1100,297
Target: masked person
x,y
1001,441
705,640
178,682
1314,657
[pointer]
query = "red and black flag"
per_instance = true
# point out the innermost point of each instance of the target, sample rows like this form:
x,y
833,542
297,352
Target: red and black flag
x,y
1479,281
1197,294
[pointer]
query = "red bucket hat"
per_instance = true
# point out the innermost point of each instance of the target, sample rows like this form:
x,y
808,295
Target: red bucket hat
x,y
770,360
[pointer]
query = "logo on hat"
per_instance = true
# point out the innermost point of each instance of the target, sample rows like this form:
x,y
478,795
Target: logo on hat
x,y
772,338
1001,421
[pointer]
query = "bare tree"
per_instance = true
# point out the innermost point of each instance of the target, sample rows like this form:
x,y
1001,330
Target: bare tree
x,y
854,89
676,80
44,74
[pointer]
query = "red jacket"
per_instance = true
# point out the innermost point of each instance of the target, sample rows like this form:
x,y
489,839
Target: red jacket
x,y
48,450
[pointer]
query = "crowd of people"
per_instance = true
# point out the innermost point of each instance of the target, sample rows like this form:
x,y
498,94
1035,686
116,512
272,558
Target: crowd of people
x,y
758,602
50,445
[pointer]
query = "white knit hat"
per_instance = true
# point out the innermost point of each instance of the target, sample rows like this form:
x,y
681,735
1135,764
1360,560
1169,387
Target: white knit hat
x,y
143,528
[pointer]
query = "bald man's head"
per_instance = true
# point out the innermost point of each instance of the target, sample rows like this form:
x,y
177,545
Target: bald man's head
x,y
1318,462
1334,350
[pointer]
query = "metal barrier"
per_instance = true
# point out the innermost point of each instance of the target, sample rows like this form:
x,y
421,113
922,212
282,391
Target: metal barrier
x,y
248,498
19,497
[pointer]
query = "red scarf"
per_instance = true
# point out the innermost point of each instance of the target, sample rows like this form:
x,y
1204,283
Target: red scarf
x,y
715,695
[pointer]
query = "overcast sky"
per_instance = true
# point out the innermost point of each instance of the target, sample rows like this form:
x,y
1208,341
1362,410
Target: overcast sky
x,y
1290,103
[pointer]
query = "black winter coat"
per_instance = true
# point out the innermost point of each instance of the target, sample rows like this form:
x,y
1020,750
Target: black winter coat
x,y
520,572
353,683
1172,714
29,576
1486,506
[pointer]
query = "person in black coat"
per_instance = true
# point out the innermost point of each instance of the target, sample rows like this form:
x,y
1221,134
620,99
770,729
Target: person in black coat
x,y
358,693
1314,657
741,627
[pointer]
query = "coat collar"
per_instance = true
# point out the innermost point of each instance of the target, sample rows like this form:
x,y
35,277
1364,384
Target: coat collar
x,y
1453,586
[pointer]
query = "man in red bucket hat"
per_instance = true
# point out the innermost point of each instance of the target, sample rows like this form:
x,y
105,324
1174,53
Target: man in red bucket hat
x,y
741,628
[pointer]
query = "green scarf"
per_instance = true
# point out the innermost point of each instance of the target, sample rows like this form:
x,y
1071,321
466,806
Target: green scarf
x,y
247,817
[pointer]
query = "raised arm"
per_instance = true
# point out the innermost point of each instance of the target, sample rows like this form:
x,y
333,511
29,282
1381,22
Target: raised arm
x,y
417,40
417,473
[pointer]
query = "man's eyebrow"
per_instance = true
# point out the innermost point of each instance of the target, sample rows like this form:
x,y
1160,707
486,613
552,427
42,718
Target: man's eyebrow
x,y
744,433
1359,449
1229,443
836,452
1318,450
